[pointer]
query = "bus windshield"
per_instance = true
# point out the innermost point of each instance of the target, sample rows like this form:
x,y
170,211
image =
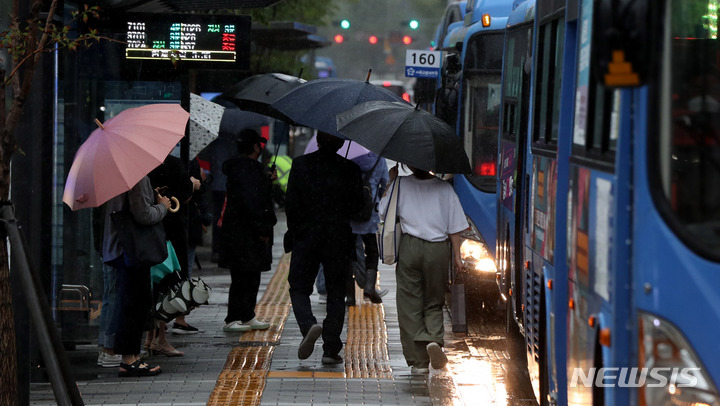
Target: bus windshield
x,y
689,148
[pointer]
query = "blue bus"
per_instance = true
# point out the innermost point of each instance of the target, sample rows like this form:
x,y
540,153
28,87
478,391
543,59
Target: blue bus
x,y
608,175
469,100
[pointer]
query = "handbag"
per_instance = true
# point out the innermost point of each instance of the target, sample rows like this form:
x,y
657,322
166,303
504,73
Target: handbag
x,y
389,231
181,298
145,245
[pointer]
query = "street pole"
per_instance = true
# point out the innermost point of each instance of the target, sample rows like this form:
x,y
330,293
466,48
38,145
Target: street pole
x,y
51,347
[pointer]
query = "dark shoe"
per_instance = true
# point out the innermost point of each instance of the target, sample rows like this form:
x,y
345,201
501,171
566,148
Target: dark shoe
x,y
138,369
438,359
184,330
370,279
307,345
372,296
328,359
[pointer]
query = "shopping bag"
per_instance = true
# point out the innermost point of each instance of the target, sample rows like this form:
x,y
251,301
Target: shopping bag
x,y
163,269
388,234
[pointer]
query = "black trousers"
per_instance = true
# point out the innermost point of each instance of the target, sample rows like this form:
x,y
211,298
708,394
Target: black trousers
x,y
311,249
133,298
372,254
242,298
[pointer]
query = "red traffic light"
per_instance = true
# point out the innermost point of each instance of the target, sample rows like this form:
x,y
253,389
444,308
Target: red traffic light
x,y
373,39
339,38
407,40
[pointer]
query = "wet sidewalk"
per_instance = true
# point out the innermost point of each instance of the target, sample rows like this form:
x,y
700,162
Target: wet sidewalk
x,y
261,367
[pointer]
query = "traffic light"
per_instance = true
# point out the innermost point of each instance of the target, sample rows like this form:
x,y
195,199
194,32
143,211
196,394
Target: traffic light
x,y
414,24
373,39
345,24
407,40
339,38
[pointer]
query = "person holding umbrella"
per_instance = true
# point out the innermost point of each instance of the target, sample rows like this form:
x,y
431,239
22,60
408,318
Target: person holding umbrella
x,y
133,295
431,219
246,221
324,190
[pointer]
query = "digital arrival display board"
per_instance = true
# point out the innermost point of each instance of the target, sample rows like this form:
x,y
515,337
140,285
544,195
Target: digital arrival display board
x,y
193,40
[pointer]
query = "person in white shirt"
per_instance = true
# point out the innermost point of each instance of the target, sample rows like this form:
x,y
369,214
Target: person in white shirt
x,y
431,219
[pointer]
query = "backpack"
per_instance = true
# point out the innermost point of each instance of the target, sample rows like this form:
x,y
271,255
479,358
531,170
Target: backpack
x,y
368,206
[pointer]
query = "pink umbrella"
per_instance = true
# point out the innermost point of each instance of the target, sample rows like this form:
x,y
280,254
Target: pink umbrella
x,y
349,150
121,152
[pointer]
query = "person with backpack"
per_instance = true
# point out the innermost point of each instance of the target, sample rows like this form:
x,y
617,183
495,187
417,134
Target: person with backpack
x,y
365,224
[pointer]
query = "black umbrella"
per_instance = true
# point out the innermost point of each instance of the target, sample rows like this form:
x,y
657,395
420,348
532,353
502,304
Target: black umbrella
x,y
256,93
405,134
315,103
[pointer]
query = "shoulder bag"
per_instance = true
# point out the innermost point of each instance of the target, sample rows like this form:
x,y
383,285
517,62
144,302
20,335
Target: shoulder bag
x,y
145,245
388,234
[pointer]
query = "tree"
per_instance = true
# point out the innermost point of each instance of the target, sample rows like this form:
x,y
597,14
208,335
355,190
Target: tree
x,y
25,41
311,12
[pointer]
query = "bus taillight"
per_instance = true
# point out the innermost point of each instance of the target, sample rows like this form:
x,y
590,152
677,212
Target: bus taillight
x,y
486,169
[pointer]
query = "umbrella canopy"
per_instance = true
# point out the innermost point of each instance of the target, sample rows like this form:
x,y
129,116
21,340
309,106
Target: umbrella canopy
x,y
256,93
121,152
405,134
235,120
315,103
205,117
349,150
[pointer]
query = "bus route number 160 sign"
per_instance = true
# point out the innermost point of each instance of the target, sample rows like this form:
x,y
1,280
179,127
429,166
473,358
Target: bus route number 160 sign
x,y
422,64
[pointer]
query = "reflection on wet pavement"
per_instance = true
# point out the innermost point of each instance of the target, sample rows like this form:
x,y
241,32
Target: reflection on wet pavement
x,y
480,366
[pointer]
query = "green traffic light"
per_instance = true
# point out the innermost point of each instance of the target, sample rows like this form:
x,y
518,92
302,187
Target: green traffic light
x,y
414,24
345,24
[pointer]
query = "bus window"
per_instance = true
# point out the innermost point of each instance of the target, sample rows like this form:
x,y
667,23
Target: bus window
x,y
596,113
547,116
481,107
689,150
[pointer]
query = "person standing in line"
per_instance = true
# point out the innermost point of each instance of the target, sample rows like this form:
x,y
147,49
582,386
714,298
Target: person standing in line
x,y
173,175
246,222
429,245
375,170
199,214
133,295
108,313
324,190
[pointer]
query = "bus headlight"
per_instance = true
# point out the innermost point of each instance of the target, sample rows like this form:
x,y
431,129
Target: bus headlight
x,y
475,254
674,374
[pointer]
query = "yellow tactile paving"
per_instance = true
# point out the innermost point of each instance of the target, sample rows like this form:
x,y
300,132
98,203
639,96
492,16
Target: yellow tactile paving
x,y
243,377
366,353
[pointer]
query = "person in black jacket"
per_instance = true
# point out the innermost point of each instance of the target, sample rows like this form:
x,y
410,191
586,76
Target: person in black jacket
x,y
173,179
324,190
246,224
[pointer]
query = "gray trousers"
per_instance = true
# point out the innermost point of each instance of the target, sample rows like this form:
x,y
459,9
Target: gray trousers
x,y
421,274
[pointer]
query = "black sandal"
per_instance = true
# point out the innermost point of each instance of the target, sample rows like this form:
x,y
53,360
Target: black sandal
x,y
138,369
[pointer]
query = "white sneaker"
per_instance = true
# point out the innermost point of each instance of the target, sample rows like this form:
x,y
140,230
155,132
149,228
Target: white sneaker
x,y
109,361
256,324
438,359
419,371
236,327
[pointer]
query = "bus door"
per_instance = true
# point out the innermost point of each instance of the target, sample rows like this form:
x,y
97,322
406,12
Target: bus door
x,y
591,229
511,179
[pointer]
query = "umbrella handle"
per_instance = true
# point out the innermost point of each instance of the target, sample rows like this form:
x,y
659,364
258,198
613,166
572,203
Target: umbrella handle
x,y
174,199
